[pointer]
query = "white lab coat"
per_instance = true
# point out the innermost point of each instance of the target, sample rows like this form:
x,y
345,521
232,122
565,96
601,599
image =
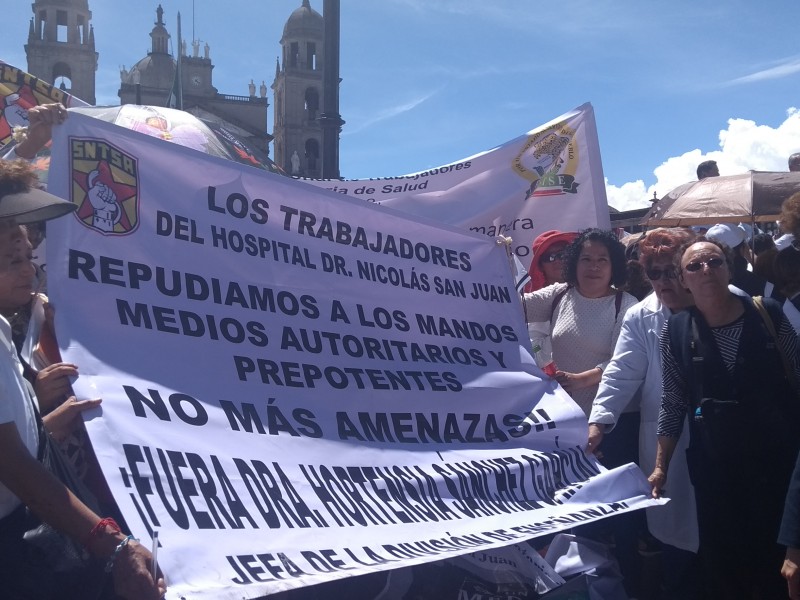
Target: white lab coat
x,y
637,364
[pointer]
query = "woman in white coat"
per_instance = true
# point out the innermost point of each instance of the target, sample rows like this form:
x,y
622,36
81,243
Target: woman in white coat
x,y
634,374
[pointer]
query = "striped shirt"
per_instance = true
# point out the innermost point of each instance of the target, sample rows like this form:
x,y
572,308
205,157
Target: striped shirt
x,y
676,398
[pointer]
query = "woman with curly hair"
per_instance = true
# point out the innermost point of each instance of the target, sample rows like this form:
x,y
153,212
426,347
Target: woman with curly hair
x,y
585,312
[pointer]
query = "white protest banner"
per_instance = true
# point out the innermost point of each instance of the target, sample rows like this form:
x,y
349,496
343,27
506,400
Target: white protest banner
x,y
549,178
298,387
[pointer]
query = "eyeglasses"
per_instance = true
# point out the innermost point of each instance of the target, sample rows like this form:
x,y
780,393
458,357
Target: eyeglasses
x,y
711,263
552,257
655,274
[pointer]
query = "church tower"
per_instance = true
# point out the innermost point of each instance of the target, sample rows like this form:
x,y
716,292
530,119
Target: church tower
x,y
298,89
60,46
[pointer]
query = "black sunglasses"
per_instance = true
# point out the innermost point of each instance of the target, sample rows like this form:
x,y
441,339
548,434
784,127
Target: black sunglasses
x,y
553,257
655,274
711,263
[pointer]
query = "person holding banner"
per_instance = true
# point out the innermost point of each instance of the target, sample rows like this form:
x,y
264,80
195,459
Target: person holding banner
x,y
585,313
731,363
546,268
30,494
629,398
39,130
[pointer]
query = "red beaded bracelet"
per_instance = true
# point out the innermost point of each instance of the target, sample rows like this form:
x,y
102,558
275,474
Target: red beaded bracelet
x,y
101,524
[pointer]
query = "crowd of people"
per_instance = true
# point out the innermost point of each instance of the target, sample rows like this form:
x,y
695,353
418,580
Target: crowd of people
x,y
697,383
679,345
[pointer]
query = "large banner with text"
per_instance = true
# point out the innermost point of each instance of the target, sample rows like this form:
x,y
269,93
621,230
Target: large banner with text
x,y
299,386
548,178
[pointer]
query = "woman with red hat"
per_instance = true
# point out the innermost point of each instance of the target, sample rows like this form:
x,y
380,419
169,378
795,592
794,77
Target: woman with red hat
x,y
548,256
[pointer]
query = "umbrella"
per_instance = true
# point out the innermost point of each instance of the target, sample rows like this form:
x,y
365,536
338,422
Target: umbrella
x,y
751,196
185,129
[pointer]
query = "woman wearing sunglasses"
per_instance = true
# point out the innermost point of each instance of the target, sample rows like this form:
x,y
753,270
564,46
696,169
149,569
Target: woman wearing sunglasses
x,y
625,412
548,256
731,368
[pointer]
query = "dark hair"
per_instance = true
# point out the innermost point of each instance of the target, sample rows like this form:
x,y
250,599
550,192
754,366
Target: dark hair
x,y
616,252
761,242
787,271
663,243
724,248
637,285
705,168
764,263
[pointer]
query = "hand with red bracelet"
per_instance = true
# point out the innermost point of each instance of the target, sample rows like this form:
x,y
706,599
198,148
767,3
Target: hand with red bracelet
x,y
127,560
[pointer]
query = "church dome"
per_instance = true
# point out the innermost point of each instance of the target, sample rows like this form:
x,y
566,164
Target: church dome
x,y
304,22
155,70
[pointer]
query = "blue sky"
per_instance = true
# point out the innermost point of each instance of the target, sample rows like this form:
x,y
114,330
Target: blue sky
x,y
427,82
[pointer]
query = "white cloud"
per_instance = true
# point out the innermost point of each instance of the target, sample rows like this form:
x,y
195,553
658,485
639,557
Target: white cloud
x,y
628,196
389,113
744,146
787,68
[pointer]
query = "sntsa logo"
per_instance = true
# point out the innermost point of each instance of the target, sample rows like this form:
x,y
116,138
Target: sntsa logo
x,y
105,186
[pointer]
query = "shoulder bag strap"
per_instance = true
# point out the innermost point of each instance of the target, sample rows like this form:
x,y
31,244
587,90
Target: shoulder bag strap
x,y
696,365
758,302
556,301
686,347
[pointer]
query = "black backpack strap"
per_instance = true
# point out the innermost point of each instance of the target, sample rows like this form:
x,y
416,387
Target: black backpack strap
x,y
617,304
686,347
557,300
696,380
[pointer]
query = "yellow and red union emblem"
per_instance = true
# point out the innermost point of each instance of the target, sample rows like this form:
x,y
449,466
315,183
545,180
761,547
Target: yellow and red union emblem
x,y
549,160
105,186
20,91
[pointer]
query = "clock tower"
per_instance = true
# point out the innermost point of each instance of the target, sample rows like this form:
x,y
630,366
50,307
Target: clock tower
x,y
196,71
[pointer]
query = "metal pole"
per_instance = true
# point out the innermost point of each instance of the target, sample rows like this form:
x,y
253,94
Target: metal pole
x,y
330,120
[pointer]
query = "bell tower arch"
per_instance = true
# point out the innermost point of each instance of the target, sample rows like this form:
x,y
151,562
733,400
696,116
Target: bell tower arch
x,y
298,89
60,47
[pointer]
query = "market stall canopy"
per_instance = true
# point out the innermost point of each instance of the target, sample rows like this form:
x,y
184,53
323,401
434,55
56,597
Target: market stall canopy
x,y
751,196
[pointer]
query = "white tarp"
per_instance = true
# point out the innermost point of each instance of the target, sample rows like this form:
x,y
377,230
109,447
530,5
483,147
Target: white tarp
x,y
297,386
548,178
